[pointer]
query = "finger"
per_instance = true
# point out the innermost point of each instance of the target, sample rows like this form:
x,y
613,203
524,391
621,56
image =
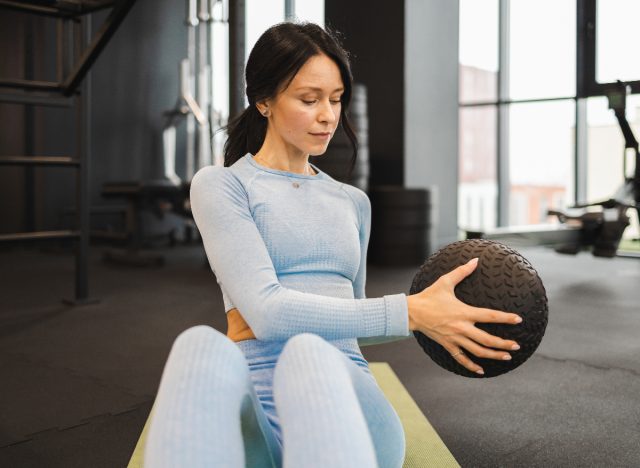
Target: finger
x,y
491,341
494,316
461,272
464,360
482,352
459,355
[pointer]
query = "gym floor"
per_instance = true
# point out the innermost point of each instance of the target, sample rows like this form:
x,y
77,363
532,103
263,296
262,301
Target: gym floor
x,y
78,383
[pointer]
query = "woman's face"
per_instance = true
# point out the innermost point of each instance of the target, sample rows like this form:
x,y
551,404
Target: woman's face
x,y
306,114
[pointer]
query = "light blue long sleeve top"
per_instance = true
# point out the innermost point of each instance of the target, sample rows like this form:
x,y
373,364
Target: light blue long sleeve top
x,y
289,252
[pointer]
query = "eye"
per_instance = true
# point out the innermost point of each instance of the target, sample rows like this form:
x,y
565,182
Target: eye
x,y
336,102
309,102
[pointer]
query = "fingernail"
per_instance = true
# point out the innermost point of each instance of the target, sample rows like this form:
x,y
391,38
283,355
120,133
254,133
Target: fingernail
x,y
517,319
473,261
480,371
506,357
515,347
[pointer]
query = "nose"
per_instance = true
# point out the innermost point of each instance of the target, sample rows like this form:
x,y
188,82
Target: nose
x,y
327,112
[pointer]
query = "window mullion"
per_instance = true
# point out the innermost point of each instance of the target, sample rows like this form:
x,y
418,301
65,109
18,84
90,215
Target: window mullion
x,y
503,115
581,149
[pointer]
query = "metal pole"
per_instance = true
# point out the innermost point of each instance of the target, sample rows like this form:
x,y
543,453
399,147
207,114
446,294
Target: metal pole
x,y
203,96
192,22
236,57
580,153
29,131
83,138
289,10
504,184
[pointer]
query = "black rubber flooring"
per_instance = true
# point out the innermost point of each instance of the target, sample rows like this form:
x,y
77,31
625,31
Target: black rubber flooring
x,y
77,383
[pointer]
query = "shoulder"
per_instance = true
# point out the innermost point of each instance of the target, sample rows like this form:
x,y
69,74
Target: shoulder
x,y
360,200
218,182
210,177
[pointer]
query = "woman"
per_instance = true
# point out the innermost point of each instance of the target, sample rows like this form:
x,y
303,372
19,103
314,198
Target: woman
x,y
288,384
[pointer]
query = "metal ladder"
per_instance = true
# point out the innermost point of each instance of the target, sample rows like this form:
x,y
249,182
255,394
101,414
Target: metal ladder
x,y
74,59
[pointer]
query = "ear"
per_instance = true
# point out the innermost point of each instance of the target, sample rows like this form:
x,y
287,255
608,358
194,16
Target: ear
x,y
263,107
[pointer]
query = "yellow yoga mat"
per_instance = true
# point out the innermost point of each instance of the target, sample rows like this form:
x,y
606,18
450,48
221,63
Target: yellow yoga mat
x,y
424,446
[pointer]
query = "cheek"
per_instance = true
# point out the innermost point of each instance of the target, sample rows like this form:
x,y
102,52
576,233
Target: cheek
x,y
298,122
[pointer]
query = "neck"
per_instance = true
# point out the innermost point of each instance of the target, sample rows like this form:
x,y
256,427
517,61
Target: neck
x,y
278,155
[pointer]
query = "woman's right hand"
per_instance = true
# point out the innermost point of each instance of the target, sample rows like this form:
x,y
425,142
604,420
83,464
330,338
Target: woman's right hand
x,y
440,315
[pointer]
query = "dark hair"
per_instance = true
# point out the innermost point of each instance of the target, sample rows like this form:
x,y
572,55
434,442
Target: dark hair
x,y
275,59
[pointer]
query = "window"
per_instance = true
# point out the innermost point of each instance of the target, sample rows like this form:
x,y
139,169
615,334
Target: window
x,y
541,154
616,36
262,14
478,50
517,110
477,197
542,49
478,184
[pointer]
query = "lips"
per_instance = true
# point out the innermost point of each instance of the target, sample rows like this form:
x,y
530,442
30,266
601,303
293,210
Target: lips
x,y
322,135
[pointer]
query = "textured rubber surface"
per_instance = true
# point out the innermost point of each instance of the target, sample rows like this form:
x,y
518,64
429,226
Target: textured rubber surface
x,y
503,280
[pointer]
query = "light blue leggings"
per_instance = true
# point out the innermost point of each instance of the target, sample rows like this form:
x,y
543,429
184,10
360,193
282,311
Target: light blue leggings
x,y
331,412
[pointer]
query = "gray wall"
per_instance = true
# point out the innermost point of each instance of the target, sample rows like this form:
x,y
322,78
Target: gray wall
x,y
431,108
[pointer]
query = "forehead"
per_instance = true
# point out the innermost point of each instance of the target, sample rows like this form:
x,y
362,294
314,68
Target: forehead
x,y
319,73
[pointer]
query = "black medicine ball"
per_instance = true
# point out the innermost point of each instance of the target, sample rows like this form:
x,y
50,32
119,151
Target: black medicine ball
x,y
503,280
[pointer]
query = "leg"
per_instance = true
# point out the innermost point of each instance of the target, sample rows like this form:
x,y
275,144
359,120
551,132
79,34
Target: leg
x,y
206,412
332,412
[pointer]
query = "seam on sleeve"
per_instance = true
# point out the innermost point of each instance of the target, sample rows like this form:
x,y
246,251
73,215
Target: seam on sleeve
x,y
356,204
387,310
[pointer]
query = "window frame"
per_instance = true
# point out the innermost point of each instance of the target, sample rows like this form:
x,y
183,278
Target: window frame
x,y
586,87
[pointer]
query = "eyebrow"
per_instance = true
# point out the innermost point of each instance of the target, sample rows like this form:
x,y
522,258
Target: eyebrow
x,y
317,89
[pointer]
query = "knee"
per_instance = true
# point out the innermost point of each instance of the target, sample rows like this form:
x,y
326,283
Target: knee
x,y
306,341
199,335
202,357
203,342
309,353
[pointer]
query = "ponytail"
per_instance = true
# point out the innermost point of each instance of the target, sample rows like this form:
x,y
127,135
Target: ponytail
x,y
246,134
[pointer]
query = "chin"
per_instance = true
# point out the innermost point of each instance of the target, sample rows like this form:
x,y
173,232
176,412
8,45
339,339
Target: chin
x,y
318,151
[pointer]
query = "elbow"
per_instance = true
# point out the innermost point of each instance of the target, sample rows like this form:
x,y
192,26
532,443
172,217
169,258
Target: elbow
x,y
264,330
265,323
260,327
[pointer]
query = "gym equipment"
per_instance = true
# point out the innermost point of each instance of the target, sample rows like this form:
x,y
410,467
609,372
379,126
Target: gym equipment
x,y
195,101
503,280
602,231
154,196
401,222
169,196
597,231
424,445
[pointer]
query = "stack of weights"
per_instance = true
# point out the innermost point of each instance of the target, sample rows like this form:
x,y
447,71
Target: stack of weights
x,y
400,226
337,159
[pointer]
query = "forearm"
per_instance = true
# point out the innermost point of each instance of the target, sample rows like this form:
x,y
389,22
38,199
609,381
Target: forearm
x,y
288,313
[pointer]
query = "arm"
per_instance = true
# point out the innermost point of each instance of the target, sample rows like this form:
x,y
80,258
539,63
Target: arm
x,y
364,210
239,258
